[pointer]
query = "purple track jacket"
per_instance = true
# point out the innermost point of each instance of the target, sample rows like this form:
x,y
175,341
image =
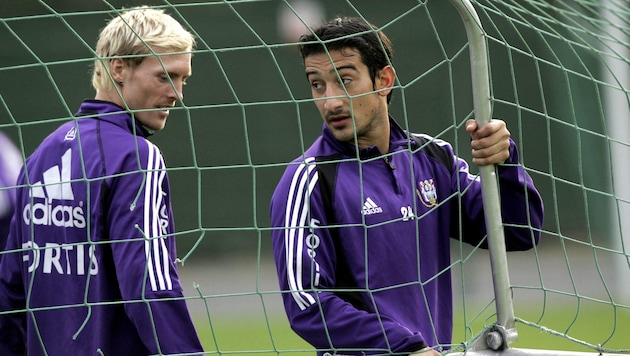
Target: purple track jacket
x,y
10,164
361,240
89,265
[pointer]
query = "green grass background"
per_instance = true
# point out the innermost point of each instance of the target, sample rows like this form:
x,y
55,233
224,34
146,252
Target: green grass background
x,y
593,323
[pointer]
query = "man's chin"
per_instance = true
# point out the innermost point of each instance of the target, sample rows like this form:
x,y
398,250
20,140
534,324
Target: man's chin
x,y
343,136
155,124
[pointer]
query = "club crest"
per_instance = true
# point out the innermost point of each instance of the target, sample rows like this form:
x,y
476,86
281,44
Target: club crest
x,y
427,192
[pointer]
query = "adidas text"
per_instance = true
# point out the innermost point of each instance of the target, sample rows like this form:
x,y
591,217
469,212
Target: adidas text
x,y
370,211
48,214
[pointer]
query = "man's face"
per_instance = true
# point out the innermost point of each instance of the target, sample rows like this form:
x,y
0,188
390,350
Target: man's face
x,y
339,87
155,85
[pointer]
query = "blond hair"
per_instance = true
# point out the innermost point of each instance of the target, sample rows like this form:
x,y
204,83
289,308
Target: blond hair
x,y
134,34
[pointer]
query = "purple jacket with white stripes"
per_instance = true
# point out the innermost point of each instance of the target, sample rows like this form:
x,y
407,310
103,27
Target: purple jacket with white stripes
x,y
362,248
90,254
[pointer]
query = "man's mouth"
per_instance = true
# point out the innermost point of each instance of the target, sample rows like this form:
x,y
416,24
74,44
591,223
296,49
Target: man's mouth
x,y
165,109
338,120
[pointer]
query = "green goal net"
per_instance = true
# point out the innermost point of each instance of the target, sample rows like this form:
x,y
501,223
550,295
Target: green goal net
x,y
559,75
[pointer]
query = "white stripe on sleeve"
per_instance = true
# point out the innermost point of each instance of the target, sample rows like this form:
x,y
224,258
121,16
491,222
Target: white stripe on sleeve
x,y
295,222
158,266
147,220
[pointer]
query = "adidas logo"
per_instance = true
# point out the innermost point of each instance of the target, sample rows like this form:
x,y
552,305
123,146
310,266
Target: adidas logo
x,y
71,134
57,183
56,186
370,207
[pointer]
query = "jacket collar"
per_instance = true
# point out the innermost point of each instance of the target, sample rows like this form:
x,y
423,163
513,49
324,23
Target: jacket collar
x,y
110,112
397,138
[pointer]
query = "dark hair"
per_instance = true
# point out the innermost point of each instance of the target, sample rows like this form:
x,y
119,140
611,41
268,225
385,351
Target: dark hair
x,y
351,32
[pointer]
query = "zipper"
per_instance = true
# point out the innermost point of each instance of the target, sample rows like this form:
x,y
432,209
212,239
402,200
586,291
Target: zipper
x,y
392,167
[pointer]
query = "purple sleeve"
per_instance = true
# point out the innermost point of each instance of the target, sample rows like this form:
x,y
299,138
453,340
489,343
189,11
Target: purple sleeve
x,y
521,205
144,254
306,259
12,299
10,164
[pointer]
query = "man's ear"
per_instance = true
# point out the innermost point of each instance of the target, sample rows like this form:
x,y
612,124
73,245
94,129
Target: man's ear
x,y
117,69
385,80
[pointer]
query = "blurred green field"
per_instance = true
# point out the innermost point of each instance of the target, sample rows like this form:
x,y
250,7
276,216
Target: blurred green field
x,y
599,324
596,324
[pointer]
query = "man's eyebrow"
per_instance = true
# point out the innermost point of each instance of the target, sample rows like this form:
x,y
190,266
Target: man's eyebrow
x,y
334,70
312,72
348,66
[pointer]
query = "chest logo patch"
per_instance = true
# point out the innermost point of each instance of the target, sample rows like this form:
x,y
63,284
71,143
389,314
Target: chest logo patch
x,y
370,207
427,192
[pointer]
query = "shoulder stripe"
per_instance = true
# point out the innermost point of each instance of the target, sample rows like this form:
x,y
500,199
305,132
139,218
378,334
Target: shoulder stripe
x,y
158,266
437,149
296,218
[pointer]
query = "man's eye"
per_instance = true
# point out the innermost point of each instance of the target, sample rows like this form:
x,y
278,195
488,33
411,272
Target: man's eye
x,y
346,81
316,85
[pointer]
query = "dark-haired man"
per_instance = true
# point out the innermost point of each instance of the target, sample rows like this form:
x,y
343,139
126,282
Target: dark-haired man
x,y
362,220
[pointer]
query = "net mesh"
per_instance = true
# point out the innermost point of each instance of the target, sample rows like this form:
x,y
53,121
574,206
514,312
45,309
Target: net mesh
x,y
559,77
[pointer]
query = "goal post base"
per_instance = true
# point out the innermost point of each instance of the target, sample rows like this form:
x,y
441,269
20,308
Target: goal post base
x,y
528,352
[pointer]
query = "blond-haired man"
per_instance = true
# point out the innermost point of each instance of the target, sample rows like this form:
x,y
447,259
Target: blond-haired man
x,y
90,261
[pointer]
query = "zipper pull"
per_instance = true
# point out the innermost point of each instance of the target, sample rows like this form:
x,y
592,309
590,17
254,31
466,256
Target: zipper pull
x,y
389,163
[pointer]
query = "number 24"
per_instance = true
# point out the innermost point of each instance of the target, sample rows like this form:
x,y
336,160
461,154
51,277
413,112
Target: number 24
x,y
407,213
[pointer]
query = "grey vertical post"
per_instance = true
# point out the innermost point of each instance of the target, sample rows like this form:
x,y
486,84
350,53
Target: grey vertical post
x,y
504,331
